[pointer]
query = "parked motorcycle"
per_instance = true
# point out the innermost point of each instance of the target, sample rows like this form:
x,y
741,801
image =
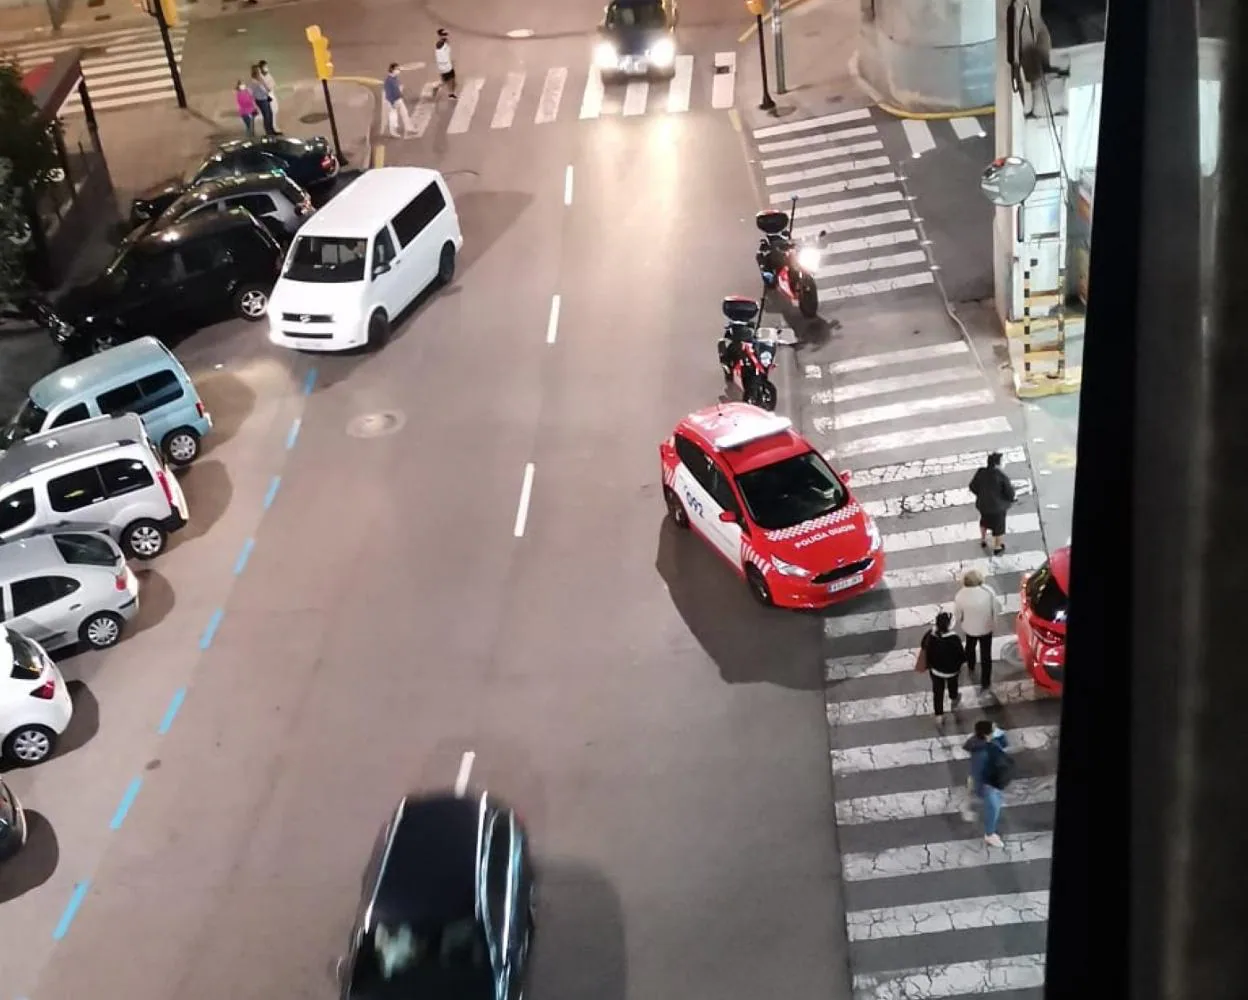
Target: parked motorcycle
x,y
786,265
747,354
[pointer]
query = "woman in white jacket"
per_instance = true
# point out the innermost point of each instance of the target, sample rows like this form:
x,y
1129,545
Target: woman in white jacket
x,y
976,607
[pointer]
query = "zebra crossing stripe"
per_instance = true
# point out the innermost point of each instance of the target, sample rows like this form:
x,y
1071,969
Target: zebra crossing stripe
x,y
890,412
945,915
465,106
929,468
635,97
681,86
925,503
951,573
839,669
724,83
422,113
916,704
930,802
828,153
806,125
868,362
552,94
833,187
862,244
508,100
954,534
924,436
901,215
918,135
591,101
857,290
966,128
948,856
910,258
937,750
828,170
937,982
842,205
892,384
819,139
917,616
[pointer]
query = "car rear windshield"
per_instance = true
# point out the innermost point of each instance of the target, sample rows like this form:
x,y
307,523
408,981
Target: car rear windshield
x,y
27,663
1046,597
86,550
28,420
792,491
636,15
326,259
399,955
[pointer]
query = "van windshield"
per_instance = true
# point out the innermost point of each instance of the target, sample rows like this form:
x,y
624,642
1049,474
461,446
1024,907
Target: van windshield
x,y
326,259
28,420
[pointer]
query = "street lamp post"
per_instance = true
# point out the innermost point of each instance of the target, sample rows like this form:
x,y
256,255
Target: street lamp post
x,y
755,7
777,41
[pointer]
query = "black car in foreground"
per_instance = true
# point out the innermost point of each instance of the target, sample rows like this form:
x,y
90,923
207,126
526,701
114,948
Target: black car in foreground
x,y
447,907
637,38
171,280
273,198
12,823
310,163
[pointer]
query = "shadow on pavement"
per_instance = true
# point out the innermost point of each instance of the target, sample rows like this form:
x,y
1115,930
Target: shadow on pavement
x,y
749,644
35,863
484,216
579,947
86,721
156,600
208,491
230,400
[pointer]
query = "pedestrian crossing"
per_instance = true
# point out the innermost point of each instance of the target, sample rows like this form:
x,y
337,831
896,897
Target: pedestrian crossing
x,y
562,93
851,200
925,136
931,909
123,68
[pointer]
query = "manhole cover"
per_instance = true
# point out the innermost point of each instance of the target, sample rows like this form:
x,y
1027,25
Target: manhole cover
x,y
371,425
314,117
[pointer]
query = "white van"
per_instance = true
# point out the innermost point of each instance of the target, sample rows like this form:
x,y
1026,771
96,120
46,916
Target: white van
x,y
363,258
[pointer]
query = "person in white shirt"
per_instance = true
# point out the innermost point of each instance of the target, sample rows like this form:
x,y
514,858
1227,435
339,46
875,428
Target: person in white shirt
x,y
271,86
976,607
446,68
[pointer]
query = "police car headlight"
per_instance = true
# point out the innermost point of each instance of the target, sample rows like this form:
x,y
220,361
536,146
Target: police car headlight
x,y
606,55
808,258
873,537
663,52
788,569
764,357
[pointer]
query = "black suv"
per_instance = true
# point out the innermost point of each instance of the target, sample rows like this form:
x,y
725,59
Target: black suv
x,y
447,907
172,280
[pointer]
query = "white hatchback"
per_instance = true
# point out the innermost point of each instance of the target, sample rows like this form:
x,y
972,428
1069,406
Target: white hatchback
x,y
35,707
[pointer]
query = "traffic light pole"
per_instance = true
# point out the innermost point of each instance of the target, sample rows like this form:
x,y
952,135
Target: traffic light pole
x,y
777,40
158,12
768,104
333,122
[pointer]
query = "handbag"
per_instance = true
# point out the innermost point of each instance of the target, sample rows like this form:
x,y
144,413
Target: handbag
x,y
920,661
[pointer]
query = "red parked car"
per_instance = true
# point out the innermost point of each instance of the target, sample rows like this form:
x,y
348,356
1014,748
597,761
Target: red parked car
x,y
1041,623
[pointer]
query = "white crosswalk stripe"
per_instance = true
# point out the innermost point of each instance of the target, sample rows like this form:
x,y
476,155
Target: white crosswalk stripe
x,y
122,68
931,906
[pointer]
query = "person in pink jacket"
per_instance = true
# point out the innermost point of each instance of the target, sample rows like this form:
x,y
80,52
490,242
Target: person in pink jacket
x,y
247,109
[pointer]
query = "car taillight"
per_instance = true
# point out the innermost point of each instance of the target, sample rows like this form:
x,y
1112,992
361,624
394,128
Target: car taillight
x,y
1046,635
45,691
163,479
327,161
199,408
119,581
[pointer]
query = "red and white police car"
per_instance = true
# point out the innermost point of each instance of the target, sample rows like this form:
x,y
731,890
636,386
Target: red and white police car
x,y
768,503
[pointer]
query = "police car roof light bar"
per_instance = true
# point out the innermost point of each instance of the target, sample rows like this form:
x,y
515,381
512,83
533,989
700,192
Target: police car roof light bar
x,y
757,428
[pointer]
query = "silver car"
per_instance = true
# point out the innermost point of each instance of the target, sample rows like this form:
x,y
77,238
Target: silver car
x,y
67,587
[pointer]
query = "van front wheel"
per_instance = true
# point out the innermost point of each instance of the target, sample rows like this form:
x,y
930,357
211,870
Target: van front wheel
x,y
378,331
446,265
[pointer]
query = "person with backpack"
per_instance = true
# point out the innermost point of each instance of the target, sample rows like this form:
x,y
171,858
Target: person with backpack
x,y
941,657
994,494
992,770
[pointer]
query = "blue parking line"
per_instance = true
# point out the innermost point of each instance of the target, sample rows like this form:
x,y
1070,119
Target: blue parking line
x,y
210,632
127,800
309,383
293,436
241,563
71,910
272,494
171,712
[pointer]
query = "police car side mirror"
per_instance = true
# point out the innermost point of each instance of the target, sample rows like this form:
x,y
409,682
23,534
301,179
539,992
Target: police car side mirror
x,y
728,517
847,475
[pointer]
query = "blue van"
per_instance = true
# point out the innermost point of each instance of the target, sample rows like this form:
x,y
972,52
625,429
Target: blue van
x,y
141,377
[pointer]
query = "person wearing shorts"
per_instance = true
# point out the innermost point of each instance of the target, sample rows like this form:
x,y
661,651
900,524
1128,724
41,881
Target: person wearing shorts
x,y
446,68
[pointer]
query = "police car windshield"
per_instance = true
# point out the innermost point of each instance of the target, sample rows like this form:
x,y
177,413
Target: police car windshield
x,y
790,492
636,15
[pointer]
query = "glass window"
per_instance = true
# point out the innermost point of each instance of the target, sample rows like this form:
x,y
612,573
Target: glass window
x,y
85,550
695,460
27,663
28,420
498,877
182,206
16,509
792,491
326,259
383,248
721,491
398,953
257,204
419,212
636,15
1046,597
75,490
32,594
159,269
121,400
73,415
124,475
158,389
202,257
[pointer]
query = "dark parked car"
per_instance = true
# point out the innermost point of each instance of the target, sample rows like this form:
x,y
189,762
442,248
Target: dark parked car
x,y
447,907
12,823
308,162
273,198
174,279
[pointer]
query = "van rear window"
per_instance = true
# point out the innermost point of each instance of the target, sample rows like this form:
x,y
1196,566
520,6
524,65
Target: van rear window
x,y
328,259
86,550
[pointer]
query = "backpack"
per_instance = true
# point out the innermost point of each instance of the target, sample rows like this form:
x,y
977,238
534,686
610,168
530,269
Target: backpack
x,y
998,768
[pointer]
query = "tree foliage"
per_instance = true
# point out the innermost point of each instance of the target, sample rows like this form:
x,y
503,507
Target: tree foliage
x,y
28,156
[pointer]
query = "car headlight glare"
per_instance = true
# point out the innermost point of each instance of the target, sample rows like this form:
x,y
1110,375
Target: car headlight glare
x,y
808,258
788,569
663,52
605,55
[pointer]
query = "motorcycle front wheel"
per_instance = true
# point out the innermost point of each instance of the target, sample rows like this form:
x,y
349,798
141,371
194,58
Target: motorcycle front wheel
x,y
763,393
808,299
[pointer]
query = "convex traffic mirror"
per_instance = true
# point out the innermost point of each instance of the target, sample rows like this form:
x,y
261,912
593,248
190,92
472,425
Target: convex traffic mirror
x,y
1008,181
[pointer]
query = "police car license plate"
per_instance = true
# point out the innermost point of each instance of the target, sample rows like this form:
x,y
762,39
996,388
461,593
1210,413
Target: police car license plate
x,y
845,584
634,64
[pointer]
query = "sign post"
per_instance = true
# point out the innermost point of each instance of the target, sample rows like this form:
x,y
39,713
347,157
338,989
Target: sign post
x,y
755,7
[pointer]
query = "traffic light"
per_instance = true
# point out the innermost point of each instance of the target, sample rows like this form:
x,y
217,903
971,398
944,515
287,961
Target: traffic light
x,y
169,8
755,7
320,51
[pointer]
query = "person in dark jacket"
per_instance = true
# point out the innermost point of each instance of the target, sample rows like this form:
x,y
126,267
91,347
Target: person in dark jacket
x,y
988,741
994,493
941,655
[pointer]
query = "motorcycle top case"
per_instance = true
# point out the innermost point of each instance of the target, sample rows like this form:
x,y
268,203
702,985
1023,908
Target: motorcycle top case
x,y
773,222
739,309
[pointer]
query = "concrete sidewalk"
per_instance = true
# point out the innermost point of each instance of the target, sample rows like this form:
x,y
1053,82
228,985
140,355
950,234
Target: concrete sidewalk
x,y
34,19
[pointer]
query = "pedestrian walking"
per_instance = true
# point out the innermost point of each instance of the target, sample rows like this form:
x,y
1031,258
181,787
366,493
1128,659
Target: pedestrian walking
x,y
975,610
247,109
446,67
941,657
393,89
992,769
271,86
994,493
264,101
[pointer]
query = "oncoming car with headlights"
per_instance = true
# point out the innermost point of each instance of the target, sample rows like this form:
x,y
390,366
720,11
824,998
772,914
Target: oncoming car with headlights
x,y
768,503
637,38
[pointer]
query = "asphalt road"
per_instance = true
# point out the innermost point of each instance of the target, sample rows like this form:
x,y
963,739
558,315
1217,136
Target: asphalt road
x,y
664,739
